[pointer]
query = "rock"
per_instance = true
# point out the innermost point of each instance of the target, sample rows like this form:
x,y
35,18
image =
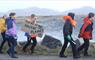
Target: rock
x,y
51,42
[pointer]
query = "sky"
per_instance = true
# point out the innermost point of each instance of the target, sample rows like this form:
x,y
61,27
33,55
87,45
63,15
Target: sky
x,y
58,5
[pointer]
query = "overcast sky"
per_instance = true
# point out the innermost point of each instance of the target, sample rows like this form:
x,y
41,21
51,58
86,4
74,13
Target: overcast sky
x,y
59,5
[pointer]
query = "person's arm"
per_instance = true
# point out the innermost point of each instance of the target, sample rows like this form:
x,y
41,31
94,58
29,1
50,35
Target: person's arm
x,y
33,21
9,24
28,20
83,28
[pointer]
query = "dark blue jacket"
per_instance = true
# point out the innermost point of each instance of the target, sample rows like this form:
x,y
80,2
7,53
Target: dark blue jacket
x,y
68,28
9,23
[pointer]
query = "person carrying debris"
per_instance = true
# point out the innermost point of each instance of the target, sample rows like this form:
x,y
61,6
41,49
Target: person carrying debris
x,y
67,32
30,36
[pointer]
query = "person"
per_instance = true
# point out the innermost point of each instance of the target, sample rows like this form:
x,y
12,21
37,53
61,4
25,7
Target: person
x,y
67,32
3,30
30,36
86,33
11,34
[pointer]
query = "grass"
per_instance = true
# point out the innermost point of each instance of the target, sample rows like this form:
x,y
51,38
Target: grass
x,y
42,50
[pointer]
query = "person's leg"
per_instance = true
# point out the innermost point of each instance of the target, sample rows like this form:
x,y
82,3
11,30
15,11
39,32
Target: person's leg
x,y
64,47
74,50
9,50
12,48
86,47
9,44
16,45
33,44
3,42
27,44
1,46
81,47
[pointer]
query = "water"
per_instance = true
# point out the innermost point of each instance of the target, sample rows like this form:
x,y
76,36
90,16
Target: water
x,y
54,28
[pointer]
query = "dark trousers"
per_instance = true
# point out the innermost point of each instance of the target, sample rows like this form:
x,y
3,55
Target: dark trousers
x,y
29,42
13,43
66,41
84,46
4,40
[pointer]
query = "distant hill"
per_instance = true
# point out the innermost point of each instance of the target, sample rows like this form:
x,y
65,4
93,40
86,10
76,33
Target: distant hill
x,y
49,12
81,11
35,10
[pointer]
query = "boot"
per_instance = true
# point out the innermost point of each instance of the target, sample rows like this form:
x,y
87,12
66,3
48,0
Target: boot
x,y
1,52
32,49
87,55
64,56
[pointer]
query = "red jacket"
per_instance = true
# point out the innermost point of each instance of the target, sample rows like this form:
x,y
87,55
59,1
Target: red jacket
x,y
33,36
86,30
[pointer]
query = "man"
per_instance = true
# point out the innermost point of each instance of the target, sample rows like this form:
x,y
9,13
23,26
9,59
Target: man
x,y
11,34
32,22
86,33
67,32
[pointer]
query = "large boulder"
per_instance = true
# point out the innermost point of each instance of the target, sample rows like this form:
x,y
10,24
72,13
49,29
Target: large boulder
x,y
51,42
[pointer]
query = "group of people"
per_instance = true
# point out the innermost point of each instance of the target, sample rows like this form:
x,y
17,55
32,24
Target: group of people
x,y
85,33
9,33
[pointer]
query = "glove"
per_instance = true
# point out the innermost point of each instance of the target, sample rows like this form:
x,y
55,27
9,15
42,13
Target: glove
x,y
80,35
15,37
69,37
